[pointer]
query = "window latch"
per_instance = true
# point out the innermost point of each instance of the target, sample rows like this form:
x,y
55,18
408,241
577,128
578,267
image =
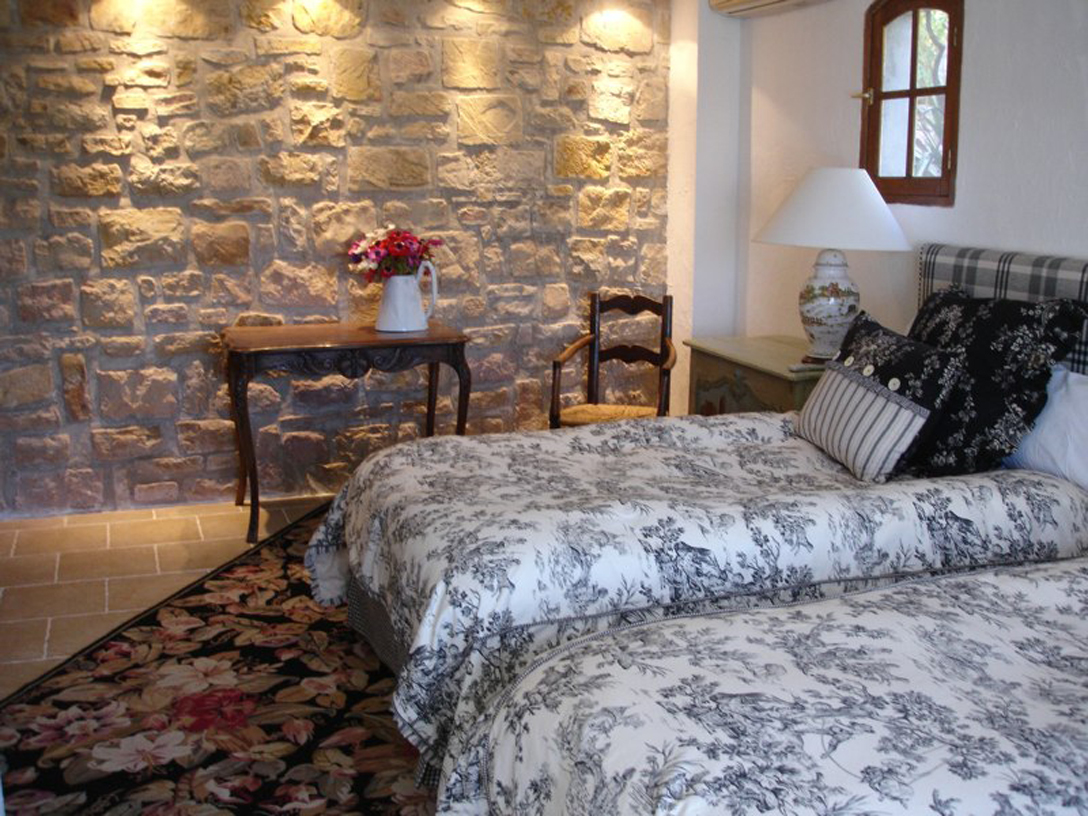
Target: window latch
x,y
866,95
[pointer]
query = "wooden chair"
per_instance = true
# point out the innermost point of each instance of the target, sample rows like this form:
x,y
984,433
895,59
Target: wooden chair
x,y
663,358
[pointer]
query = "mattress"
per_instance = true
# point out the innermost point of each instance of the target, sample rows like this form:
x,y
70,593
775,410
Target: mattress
x,y
472,556
962,694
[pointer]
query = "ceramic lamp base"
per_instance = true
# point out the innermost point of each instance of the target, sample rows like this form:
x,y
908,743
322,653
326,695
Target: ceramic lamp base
x,y
829,303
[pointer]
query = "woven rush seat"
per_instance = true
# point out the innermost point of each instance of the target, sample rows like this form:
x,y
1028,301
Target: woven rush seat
x,y
589,414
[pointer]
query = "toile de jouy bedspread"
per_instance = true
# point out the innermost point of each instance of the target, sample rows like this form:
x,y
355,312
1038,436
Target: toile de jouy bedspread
x,y
486,551
955,695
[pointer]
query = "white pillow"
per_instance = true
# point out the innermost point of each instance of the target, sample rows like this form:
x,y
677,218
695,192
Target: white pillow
x,y
1058,443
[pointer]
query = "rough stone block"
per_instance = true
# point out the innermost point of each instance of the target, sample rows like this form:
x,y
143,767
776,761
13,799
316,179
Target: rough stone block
x,y
582,157
183,284
420,103
114,444
46,301
490,119
409,65
387,168
284,284
77,398
191,20
12,258
325,392
171,345
108,303
244,90
265,15
335,226
631,32
164,181
643,154
611,99
142,393
470,64
134,237
291,170
49,12
108,144
317,124
156,493
34,451
221,244
329,18
173,313
25,386
91,181
205,436
355,75
603,208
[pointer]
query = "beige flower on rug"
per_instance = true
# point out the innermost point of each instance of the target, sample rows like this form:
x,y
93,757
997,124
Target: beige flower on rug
x,y
197,675
140,751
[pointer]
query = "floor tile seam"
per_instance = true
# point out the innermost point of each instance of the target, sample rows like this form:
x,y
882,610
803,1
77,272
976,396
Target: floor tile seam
x,y
27,660
48,632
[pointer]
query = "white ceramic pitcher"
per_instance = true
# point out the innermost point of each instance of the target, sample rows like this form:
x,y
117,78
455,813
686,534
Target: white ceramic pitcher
x,y
401,309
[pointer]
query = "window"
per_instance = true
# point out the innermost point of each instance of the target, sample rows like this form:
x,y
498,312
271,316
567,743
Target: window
x,y
910,112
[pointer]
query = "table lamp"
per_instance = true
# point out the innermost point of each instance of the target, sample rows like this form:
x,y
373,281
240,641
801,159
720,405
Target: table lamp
x,y
836,207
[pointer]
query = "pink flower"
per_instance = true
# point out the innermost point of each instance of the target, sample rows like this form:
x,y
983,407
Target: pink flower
x,y
224,709
73,724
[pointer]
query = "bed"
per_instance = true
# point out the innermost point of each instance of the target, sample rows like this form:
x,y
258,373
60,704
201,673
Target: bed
x,y
951,695
463,560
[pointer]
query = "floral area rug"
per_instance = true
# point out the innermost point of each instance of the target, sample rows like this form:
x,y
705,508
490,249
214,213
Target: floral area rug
x,y
237,695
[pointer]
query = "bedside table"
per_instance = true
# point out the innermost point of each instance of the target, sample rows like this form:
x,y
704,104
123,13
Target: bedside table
x,y
733,374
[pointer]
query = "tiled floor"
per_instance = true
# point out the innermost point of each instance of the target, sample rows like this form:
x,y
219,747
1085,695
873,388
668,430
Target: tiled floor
x,y
67,580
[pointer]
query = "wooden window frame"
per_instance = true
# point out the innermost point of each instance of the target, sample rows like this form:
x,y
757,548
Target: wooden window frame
x,y
940,191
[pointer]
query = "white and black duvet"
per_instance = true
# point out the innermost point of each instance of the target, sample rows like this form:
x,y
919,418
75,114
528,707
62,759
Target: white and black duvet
x,y
964,694
484,552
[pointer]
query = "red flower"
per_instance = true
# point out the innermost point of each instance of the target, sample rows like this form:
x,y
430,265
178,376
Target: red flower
x,y
223,709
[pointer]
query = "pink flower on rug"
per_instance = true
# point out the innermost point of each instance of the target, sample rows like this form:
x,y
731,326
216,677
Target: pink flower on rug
x,y
140,751
225,709
197,675
74,724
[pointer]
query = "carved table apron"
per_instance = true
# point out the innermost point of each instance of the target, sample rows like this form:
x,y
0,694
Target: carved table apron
x,y
331,348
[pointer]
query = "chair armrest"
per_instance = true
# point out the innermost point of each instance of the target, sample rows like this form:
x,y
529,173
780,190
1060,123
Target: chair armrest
x,y
670,360
557,375
573,348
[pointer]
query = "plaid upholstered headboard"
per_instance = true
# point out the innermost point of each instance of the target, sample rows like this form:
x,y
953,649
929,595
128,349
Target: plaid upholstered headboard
x,y
1016,275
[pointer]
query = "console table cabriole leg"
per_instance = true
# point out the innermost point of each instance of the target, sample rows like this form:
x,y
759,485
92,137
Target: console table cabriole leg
x,y
432,397
232,377
239,375
464,387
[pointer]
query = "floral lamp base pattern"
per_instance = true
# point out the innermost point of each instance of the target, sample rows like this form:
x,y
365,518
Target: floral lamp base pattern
x,y
829,303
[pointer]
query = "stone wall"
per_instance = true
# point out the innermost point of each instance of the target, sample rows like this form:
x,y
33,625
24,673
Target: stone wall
x,y
172,167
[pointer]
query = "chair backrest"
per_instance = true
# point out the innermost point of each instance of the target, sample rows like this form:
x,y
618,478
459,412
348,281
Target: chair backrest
x,y
631,305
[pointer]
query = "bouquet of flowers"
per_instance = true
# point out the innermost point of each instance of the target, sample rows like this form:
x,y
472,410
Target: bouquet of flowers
x,y
397,252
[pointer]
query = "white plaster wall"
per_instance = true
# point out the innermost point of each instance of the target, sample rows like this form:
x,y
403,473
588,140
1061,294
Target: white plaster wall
x,y
705,165
1023,166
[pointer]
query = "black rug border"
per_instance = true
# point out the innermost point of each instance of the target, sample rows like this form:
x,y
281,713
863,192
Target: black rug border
x,y
29,686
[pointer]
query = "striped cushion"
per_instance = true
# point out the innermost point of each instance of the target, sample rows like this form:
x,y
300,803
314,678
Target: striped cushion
x,y
860,423
877,399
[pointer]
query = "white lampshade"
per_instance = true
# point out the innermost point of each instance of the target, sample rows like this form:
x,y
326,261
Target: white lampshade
x,y
836,207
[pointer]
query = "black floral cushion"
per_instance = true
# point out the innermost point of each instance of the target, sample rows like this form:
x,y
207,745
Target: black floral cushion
x,y
877,399
1009,348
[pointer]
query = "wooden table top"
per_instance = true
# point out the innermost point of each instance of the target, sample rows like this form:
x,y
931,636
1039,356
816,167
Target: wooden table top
x,y
331,335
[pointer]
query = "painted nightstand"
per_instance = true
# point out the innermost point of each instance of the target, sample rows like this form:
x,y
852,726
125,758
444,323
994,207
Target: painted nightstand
x,y
733,374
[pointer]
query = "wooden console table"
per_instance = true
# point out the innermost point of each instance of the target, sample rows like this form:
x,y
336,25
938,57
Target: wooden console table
x,y
331,348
